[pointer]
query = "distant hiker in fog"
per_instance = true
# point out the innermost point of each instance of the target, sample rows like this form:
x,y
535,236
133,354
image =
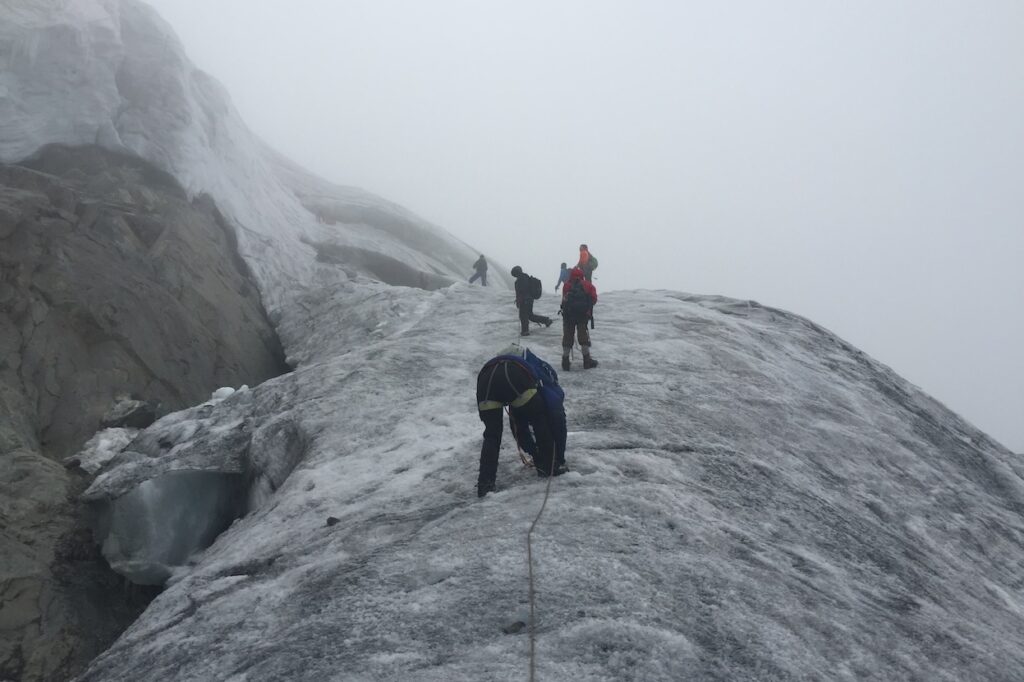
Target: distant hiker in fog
x,y
528,386
578,299
528,289
563,276
587,262
481,271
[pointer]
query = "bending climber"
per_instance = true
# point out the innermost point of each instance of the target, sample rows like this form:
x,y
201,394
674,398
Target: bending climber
x,y
578,299
527,290
528,386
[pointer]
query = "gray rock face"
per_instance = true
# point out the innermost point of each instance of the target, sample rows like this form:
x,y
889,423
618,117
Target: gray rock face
x,y
111,282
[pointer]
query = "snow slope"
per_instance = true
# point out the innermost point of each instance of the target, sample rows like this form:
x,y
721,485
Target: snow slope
x,y
111,72
751,498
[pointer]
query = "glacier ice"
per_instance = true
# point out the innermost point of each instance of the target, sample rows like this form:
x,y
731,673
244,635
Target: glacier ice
x,y
177,485
159,524
102,448
751,498
221,393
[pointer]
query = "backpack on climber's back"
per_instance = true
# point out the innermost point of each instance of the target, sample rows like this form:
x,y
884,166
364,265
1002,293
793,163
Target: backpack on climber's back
x,y
577,304
592,263
545,374
536,288
547,378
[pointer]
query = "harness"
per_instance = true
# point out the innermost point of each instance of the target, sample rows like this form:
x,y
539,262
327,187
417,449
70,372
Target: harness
x,y
521,398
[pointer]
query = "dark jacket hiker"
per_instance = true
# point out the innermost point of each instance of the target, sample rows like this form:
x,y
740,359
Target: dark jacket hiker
x,y
528,386
526,292
481,271
578,299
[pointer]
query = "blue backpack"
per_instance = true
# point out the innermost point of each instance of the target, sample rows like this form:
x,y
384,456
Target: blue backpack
x,y
547,378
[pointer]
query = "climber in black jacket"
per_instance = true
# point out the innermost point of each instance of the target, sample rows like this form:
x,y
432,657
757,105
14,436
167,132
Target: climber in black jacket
x,y
524,301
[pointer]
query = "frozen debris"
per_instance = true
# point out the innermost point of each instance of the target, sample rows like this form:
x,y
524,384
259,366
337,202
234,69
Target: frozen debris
x,y
221,394
102,448
129,413
514,628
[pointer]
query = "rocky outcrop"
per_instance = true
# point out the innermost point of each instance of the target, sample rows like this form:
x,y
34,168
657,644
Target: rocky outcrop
x,y
112,283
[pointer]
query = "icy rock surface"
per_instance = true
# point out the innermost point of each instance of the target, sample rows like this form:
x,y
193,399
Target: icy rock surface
x,y
160,523
174,488
109,76
111,282
751,499
102,448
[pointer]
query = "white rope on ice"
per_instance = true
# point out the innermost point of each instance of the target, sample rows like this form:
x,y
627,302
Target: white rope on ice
x,y
529,561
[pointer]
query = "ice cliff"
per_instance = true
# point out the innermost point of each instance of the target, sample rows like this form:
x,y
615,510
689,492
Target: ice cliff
x,y
112,73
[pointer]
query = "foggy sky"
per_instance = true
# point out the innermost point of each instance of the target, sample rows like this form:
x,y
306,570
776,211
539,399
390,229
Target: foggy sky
x,y
861,164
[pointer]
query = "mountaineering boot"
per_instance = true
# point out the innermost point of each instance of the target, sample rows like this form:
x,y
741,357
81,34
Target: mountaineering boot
x,y
525,332
547,322
484,488
559,470
565,363
589,362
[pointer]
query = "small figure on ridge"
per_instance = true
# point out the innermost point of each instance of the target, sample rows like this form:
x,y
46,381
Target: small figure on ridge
x,y
481,271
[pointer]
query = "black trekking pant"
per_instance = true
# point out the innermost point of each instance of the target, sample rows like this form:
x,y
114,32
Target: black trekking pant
x,y
530,417
526,315
575,328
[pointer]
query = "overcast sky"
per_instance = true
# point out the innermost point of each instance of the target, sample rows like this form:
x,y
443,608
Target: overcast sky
x,y
861,163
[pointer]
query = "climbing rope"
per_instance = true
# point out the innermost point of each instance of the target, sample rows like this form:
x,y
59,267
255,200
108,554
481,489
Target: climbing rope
x,y
523,457
529,561
529,538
